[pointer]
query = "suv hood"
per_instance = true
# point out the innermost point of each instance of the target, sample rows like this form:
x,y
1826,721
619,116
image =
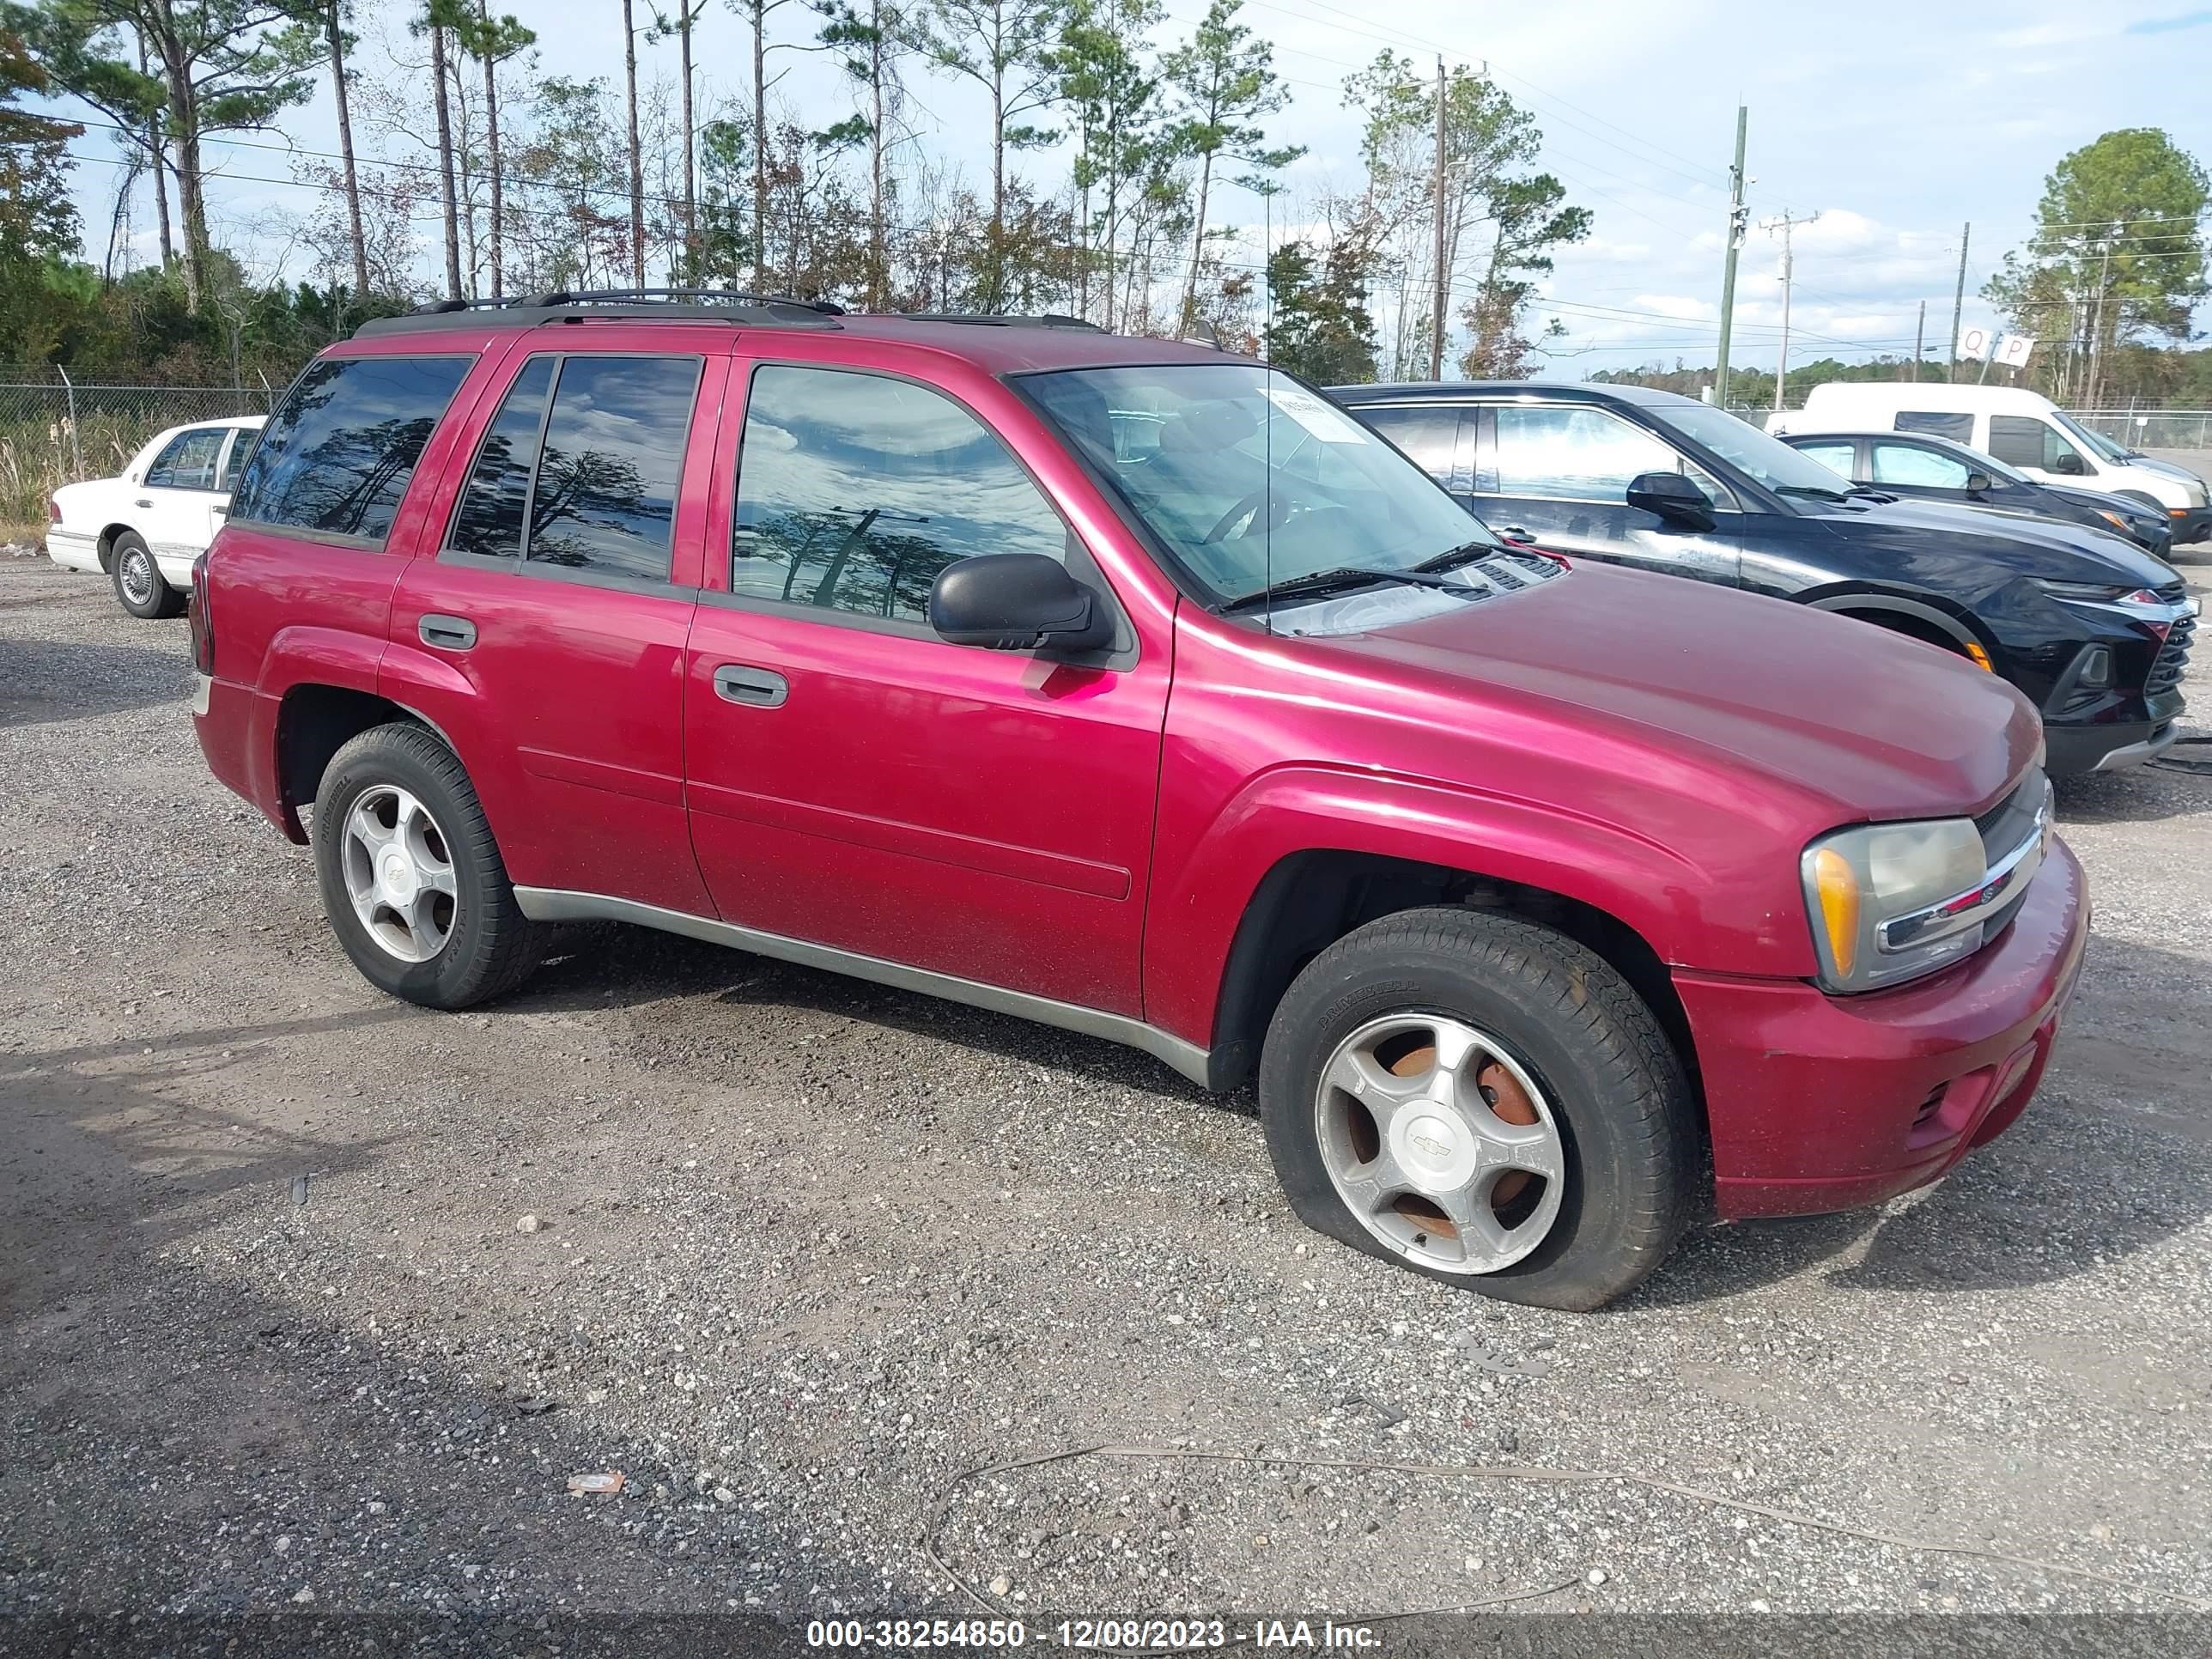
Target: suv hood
x,y
2025,547
1858,722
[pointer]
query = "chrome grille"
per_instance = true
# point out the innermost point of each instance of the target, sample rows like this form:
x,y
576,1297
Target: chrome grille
x,y
2171,663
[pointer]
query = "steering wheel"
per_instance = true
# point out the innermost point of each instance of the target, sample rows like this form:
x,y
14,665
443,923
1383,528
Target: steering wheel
x,y
1278,513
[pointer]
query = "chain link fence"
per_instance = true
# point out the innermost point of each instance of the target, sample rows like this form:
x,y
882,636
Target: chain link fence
x,y
2150,428
54,432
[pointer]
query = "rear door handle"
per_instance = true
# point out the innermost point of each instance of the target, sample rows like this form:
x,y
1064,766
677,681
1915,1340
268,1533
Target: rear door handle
x,y
446,633
143,502
754,687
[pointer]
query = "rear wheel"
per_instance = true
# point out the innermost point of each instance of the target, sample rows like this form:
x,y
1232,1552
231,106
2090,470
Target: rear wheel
x,y
140,587
411,880
1482,1100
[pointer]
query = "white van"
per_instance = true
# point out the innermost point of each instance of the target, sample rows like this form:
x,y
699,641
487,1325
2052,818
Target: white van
x,y
2023,428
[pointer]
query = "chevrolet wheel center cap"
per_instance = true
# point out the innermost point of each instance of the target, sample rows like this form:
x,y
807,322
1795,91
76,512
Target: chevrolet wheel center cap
x,y
1437,1152
399,876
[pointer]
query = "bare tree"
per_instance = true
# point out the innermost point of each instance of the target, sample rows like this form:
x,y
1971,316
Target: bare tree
x,y
688,13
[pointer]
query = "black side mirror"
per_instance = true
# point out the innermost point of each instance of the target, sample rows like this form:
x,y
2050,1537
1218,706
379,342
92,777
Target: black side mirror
x,y
1978,483
2073,465
1017,602
1673,497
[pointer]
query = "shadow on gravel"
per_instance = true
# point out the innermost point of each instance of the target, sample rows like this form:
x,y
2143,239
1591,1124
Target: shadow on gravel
x,y
102,1157
639,962
43,681
2140,794
193,1429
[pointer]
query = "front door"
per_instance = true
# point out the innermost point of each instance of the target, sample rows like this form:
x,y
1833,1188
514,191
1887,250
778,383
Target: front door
x,y
174,500
1558,474
857,782
544,629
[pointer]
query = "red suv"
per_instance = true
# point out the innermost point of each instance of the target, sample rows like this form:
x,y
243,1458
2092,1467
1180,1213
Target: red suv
x,y
1134,688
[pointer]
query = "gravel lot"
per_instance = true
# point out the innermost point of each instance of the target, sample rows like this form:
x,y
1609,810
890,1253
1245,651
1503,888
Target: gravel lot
x,y
274,1335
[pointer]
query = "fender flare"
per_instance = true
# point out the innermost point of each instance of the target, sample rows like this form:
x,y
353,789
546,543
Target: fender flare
x,y
1954,627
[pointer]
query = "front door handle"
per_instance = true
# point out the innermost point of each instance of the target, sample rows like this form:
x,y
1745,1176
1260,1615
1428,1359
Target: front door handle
x,y
757,688
1515,532
143,502
446,633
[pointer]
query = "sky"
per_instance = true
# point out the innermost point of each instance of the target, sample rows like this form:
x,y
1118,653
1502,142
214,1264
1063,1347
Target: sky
x,y
1894,123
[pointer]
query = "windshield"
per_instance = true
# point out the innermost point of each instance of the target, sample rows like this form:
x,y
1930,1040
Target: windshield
x,y
1768,460
1250,479
2096,442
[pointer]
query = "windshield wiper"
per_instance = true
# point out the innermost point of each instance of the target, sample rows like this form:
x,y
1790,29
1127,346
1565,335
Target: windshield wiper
x,y
1339,580
1811,492
1465,553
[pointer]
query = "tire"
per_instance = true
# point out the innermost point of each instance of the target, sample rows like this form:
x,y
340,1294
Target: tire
x,y
140,587
479,944
1611,1090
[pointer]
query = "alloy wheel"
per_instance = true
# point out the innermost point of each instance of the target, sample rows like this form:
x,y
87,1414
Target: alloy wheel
x,y
1440,1142
400,873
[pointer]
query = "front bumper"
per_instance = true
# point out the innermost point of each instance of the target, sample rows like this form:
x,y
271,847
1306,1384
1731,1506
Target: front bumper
x,y
2074,750
1819,1102
2190,523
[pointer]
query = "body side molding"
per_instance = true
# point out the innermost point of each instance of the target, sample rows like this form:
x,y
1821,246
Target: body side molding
x,y
555,904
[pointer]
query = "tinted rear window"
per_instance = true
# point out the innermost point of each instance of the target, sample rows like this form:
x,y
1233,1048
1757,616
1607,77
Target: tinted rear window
x,y
336,456
1959,429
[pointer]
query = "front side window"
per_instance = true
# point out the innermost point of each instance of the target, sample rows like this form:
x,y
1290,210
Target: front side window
x,y
854,490
581,465
1909,463
1936,423
1428,434
336,456
187,460
2023,440
1560,452
1255,480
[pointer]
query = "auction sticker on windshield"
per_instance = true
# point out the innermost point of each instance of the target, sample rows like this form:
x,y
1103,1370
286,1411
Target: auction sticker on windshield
x,y
1322,420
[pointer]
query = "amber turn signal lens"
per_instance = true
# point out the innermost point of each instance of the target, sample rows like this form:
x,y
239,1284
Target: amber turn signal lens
x,y
1978,657
1839,887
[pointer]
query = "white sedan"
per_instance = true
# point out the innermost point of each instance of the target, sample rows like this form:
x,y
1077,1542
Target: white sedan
x,y
145,528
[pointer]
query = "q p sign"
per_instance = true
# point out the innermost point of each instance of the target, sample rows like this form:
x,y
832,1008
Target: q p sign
x,y
1974,344
2014,352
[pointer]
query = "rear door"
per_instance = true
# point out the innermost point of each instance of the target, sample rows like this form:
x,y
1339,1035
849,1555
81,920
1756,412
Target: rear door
x,y
546,632
1558,474
857,782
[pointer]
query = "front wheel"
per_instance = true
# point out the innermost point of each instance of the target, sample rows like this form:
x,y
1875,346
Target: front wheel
x,y
140,586
1485,1101
411,880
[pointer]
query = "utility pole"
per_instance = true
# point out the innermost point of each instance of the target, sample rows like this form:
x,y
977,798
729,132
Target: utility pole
x,y
1436,314
1782,363
1737,213
1959,300
2096,386
1919,339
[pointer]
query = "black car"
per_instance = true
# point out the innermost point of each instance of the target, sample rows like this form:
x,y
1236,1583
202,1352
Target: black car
x,y
1921,466
2095,631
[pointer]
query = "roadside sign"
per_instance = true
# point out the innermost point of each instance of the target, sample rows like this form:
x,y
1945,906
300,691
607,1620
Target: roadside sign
x,y
2013,354
1975,343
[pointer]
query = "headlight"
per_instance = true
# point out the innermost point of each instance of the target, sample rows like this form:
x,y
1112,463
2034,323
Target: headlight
x,y
2118,522
2092,592
1871,890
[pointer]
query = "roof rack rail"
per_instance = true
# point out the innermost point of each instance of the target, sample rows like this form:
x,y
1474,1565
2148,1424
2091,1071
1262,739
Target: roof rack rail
x,y
564,296
644,304
1002,320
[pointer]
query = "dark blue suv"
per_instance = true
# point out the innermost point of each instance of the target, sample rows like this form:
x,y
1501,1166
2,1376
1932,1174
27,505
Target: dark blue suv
x,y
2095,632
